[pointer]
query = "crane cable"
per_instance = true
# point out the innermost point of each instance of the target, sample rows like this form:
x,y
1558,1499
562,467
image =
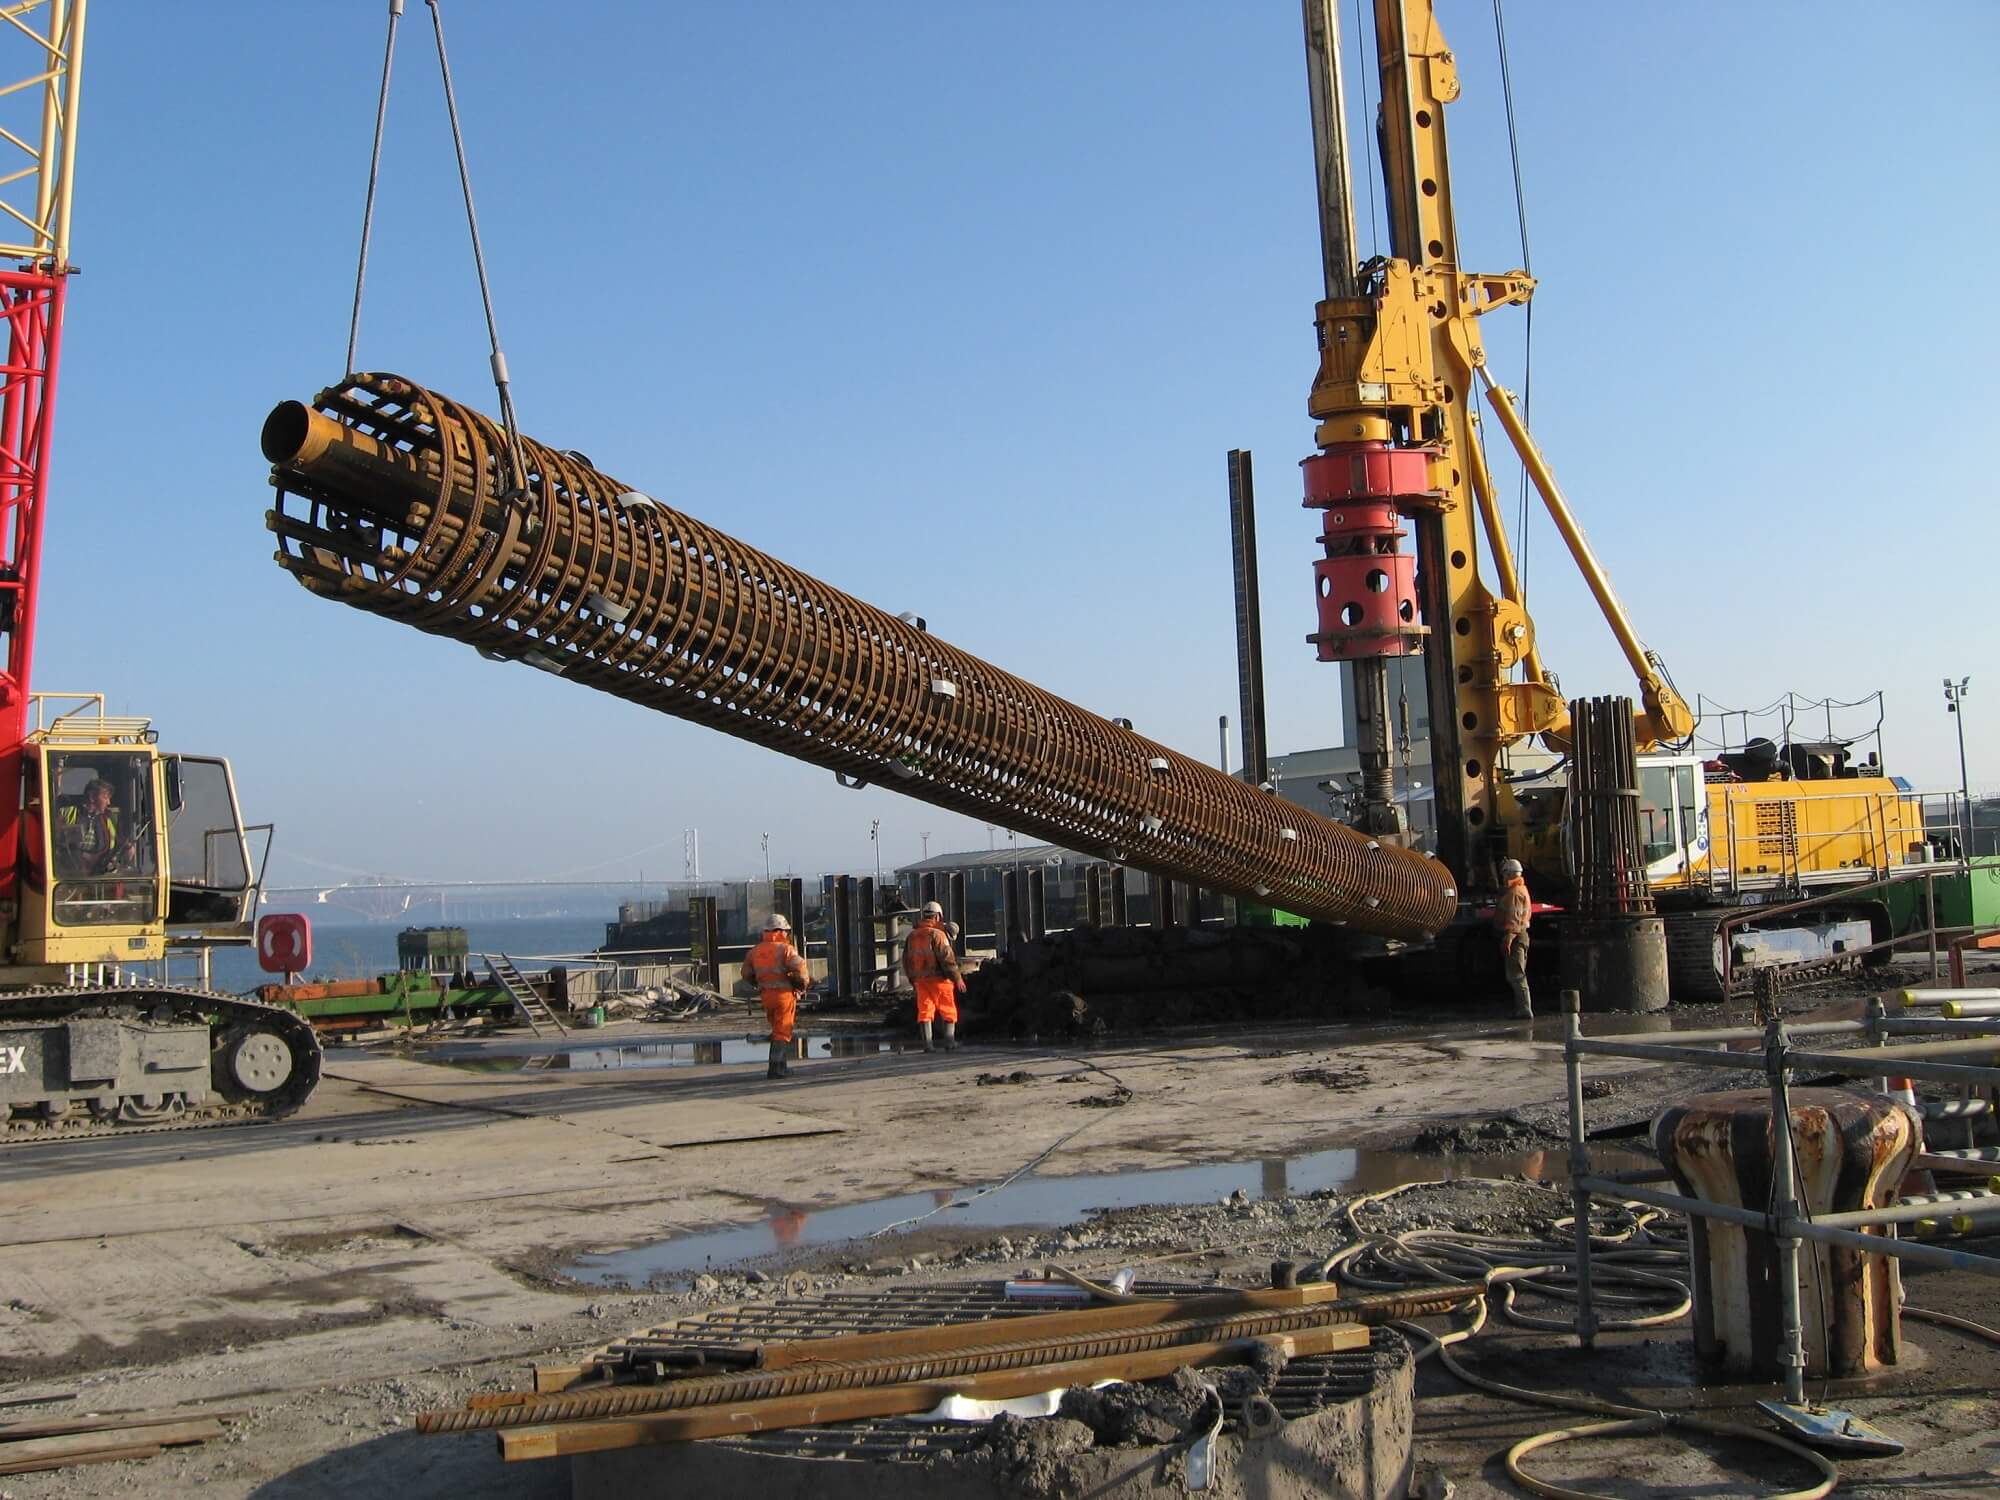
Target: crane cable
x,y
374,172
516,454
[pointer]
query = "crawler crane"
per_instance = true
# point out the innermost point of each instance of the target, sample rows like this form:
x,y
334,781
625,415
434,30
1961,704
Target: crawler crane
x,y
112,851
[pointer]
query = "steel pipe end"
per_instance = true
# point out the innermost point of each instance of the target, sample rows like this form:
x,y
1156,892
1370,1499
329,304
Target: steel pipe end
x,y
288,435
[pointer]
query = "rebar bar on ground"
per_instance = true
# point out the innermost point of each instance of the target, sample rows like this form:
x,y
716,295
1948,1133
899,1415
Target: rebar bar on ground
x,y
835,1375
397,500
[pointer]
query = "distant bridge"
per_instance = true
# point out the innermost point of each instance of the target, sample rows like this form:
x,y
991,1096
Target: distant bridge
x,y
440,903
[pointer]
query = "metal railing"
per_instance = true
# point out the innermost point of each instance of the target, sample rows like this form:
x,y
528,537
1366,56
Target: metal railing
x,y
1786,1220
1886,826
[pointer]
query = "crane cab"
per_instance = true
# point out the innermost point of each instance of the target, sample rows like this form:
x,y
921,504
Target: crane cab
x,y
125,850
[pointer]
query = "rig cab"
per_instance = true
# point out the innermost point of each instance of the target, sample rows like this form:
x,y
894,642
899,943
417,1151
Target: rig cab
x,y
126,852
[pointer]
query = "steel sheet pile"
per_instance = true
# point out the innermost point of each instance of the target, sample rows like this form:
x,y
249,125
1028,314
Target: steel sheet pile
x,y
397,500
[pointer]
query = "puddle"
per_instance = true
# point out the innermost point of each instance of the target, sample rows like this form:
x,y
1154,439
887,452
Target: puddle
x,y
1064,1200
700,1052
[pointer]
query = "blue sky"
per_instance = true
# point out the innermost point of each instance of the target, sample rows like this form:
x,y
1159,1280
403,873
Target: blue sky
x,y
960,308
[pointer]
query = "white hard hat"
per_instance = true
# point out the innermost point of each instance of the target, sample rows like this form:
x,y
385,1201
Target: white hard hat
x,y
1510,867
932,909
778,923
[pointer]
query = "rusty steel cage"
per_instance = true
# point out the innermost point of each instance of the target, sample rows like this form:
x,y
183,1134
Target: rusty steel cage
x,y
398,500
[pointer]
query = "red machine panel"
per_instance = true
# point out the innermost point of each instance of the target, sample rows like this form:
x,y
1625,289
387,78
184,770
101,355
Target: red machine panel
x,y
1366,585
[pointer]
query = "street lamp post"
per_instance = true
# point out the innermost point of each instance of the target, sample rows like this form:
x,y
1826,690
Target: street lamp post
x,y
1954,703
765,840
875,838
927,844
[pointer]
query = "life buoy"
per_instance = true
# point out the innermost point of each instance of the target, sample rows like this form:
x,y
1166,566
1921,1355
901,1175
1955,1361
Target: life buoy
x,y
284,943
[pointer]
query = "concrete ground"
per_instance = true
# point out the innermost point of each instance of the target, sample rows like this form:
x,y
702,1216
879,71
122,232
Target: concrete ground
x,y
399,1243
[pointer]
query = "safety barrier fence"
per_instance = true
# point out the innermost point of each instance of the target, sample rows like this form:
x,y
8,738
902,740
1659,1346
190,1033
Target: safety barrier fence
x,y
1776,1051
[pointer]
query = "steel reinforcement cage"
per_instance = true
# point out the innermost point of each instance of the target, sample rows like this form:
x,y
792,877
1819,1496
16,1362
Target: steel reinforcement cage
x,y
396,500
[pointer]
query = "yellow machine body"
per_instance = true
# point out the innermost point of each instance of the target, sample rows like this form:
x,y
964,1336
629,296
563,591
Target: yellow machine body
x,y
126,850
1789,836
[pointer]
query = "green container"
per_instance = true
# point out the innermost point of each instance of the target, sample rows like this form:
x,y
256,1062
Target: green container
x,y
1969,900
593,1017
424,950
1255,914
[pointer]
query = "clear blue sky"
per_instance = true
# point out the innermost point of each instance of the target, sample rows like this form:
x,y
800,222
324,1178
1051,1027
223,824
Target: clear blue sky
x,y
960,308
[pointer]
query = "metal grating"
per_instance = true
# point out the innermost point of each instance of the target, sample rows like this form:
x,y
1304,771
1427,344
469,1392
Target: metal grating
x,y
1777,828
826,1314
1306,1386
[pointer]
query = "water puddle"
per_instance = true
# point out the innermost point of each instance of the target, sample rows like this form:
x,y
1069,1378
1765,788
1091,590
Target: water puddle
x,y
696,1052
1039,1201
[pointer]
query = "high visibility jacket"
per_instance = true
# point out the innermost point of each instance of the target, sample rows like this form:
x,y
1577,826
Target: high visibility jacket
x,y
927,952
774,964
95,845
1511,915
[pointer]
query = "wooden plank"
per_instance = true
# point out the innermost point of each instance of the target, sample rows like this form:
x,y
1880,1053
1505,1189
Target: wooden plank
x,y
37,1400
158,1434
111,1421
563,1439
99,1456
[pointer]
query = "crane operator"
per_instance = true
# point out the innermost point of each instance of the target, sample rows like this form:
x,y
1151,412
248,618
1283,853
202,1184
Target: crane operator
x,y
87,841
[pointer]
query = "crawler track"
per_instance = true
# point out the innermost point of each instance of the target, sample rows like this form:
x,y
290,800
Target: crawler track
x,y
161,1005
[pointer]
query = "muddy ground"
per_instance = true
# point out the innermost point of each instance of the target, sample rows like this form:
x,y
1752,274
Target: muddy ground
x,y
406,1240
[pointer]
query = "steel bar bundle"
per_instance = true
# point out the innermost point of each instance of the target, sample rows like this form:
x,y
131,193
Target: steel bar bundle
x,y
925,1361
1606,848
395,499
813,1380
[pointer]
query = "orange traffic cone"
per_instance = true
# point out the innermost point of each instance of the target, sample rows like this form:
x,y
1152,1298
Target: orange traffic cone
x,y
1917,1181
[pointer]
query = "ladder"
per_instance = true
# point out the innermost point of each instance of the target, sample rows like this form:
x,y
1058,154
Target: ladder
x,y
529,1006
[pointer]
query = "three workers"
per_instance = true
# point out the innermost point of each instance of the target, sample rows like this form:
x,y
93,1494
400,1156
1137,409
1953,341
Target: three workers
x,y
1510,920
779,971
932,968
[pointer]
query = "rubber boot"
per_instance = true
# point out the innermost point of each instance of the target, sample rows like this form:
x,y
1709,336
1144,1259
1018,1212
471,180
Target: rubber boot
x,y
951,1036
925,1028
777,1069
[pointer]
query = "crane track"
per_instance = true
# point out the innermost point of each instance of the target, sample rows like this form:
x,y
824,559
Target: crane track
x,y
221,1013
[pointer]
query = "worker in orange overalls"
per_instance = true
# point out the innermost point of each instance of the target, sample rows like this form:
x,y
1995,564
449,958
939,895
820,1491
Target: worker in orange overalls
x,y
1510,919
933,969
779,971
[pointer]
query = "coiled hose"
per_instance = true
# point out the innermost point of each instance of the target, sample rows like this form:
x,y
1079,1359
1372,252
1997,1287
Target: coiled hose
x,y
1638,1261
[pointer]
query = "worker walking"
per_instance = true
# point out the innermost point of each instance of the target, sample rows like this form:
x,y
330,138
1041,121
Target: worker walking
x,y
933,969
779,971
1510,919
